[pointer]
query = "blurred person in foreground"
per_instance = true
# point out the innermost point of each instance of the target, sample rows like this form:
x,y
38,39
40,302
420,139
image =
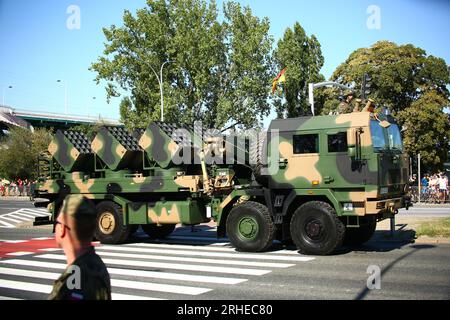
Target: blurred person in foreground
x,y
86,276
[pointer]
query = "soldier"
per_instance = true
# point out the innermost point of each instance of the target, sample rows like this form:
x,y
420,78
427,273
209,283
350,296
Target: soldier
x,y
344,106
86,276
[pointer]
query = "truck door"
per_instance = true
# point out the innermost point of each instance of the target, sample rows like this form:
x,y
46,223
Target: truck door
x,y
298,159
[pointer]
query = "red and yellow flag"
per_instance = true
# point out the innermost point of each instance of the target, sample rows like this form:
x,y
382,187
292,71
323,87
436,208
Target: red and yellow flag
x,y
281,77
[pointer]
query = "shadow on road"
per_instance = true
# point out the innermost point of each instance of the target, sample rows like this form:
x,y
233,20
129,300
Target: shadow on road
x,y
204,235
363,293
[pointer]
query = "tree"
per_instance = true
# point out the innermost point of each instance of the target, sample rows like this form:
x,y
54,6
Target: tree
x,y
413,85
20,151
219,72
400,74
302,56
428,130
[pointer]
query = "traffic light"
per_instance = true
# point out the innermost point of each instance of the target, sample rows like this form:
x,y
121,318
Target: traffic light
x,y
366,84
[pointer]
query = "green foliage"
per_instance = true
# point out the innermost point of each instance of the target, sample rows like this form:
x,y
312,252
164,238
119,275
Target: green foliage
x,y
302,56
428,130
219,72
401,74
413,86
20,151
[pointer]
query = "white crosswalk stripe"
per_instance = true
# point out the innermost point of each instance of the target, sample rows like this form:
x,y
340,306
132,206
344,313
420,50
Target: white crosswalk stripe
x,y
148,270
11,219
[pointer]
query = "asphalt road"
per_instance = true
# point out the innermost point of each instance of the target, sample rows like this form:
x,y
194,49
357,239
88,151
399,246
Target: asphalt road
x,y
196,265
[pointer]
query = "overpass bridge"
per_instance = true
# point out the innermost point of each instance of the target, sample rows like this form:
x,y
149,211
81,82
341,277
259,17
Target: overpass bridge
x,y
40,119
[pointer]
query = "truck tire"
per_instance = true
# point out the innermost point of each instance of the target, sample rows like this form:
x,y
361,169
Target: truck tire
x,y
358,236
158,232
110,228
316,229
250,227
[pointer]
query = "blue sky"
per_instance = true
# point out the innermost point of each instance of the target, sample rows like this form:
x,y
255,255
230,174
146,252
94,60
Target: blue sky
x,y
37,48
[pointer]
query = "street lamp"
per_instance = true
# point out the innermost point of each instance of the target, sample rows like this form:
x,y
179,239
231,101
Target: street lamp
x,y
160,81
87,106
65,93
4,89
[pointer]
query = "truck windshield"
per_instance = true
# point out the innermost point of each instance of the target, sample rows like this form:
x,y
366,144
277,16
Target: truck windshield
x,y
385,138
395,139
378,136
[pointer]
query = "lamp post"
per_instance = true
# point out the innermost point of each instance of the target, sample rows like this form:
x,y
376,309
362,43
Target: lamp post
x,y
87,106
65,94
160,81
4,89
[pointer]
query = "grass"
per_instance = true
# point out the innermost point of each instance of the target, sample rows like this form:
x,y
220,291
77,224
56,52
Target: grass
x,y
436,228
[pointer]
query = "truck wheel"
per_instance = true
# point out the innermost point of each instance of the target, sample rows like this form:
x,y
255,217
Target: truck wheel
x,y
358,236
250,227
316,229
110,227
158,232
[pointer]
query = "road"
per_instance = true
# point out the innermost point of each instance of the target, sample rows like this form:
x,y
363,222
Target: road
x,y
197,266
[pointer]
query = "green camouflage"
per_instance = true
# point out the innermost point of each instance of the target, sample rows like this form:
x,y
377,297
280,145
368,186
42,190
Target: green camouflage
x,y
94,283
72,150
347,160
117,148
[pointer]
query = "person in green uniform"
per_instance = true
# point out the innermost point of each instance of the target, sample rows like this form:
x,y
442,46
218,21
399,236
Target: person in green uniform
x,y
345,106
86,276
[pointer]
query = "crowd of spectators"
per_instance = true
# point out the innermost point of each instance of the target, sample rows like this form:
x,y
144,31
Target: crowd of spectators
x,y
433,187
17,187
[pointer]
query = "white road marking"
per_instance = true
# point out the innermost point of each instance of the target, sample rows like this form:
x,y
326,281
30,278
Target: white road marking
x,y
237,255
175,276
102,253
6,224
14,220
8,298
193,291
43,288
26,216
148,286
148,264
36,212
133,273
199,247
25,286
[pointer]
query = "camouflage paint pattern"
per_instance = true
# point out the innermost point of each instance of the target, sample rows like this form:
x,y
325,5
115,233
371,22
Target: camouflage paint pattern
x,y
117,148
71,149
164,191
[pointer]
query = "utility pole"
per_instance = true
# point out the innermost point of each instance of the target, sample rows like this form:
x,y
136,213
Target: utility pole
x,y
418,175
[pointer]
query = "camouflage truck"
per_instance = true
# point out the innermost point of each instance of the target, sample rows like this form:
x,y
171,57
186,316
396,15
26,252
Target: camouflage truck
x,y
318,181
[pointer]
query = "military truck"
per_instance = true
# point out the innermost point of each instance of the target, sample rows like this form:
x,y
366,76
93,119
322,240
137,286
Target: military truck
x,y
316,181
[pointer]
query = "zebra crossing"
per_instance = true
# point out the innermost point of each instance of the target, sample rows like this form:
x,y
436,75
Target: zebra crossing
x,y
149,270
12,219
